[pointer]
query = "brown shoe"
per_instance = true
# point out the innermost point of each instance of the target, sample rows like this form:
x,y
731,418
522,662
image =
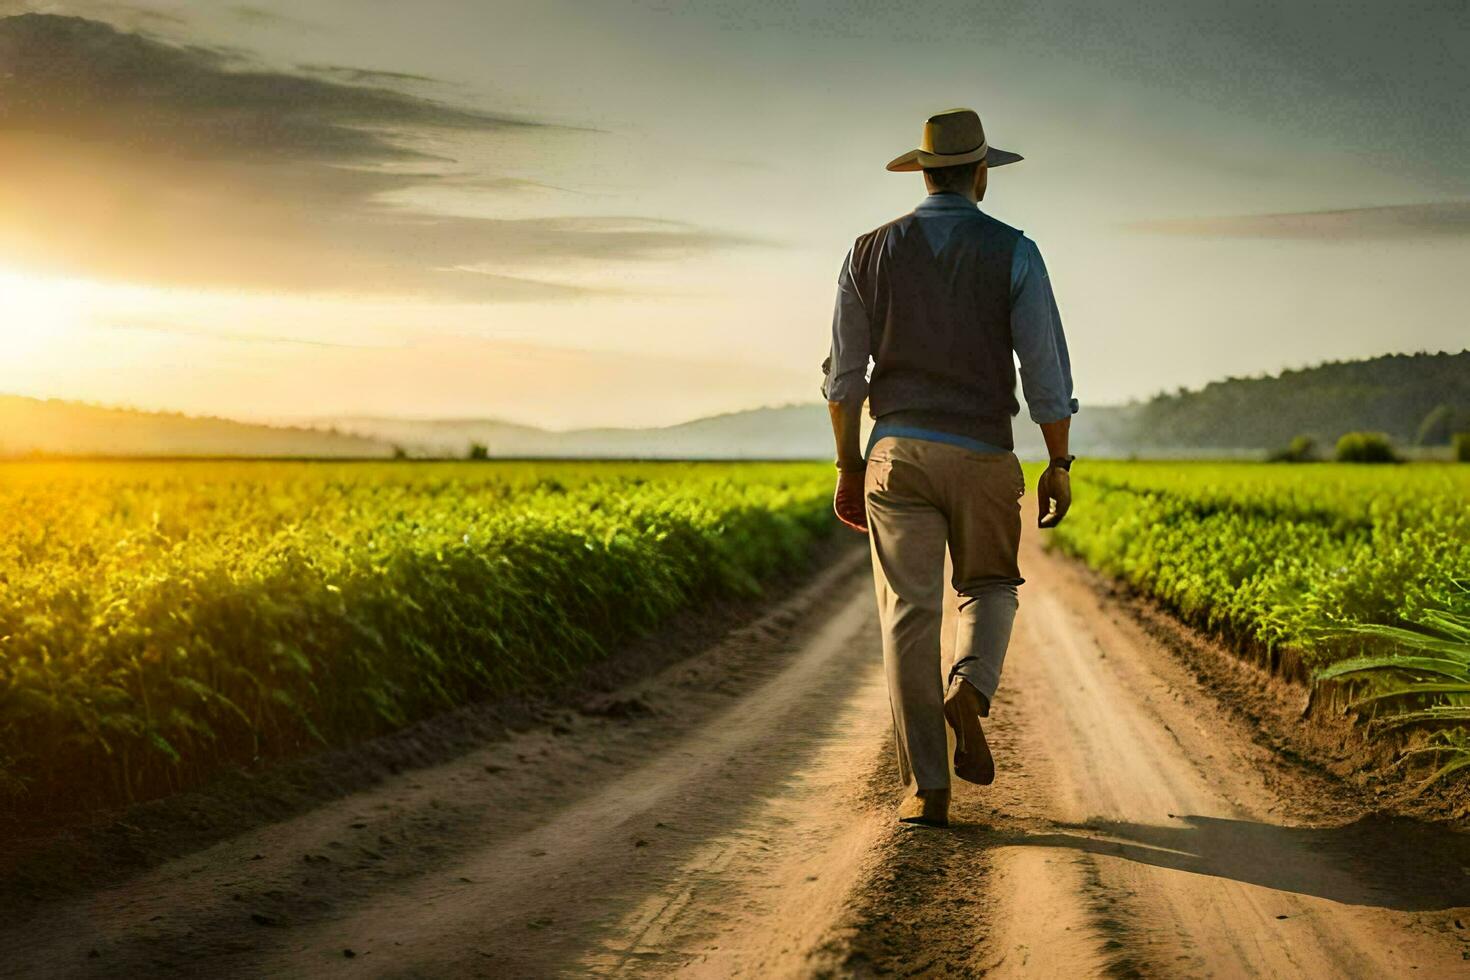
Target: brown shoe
x,y
928,807
972,759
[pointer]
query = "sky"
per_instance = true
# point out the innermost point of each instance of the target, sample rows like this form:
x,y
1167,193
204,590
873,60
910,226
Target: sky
x,y
632,212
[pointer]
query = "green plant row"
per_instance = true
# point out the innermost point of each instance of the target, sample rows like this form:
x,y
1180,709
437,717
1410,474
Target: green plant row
x,y
161,622
1354,569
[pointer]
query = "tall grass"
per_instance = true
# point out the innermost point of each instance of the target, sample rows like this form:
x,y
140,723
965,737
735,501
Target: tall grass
x,y
1417,680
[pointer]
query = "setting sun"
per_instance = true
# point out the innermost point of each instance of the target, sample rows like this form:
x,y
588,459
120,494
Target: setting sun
x,y
37,312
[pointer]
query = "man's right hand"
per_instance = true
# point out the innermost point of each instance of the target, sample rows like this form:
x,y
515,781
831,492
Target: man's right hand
x,y
848,502
1053,497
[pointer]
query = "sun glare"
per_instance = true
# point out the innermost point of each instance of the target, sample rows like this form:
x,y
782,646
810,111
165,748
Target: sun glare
x,y
37,312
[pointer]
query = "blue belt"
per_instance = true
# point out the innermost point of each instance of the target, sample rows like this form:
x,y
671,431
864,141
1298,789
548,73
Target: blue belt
x,y
930,435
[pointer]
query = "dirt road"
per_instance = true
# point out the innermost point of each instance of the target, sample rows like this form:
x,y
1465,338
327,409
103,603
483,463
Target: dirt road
x,y
735,818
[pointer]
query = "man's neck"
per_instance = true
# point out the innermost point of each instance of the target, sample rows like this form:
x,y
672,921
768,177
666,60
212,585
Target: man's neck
x,y
969,197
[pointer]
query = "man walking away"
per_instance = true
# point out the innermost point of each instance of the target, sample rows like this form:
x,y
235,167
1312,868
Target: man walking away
x,y
938,300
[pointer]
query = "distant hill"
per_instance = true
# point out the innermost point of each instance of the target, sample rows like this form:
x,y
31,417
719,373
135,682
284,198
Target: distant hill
x,y
788,432
785,432
1396,394
1413,397
31,426
1408,396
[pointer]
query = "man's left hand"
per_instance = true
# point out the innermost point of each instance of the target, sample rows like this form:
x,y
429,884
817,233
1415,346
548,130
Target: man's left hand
x,y
1053,496
848,502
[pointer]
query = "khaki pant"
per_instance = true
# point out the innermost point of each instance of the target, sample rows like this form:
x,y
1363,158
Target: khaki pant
x,y
923,497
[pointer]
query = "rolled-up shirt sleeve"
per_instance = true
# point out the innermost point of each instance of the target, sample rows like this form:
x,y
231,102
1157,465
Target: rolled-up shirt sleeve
x,y
1036,334
845,371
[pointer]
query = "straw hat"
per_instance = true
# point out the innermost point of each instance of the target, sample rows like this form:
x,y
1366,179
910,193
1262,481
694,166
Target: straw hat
x,y
951,138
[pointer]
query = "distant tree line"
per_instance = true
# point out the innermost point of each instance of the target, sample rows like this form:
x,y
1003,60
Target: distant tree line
x,y
1411,399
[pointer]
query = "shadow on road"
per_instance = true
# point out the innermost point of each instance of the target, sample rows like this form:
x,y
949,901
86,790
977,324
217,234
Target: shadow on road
x,y
1378,861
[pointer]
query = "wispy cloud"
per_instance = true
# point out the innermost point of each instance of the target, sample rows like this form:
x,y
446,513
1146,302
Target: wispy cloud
x,y
77,77
369,76
1436,220
516,185
237,337
253,14
133,158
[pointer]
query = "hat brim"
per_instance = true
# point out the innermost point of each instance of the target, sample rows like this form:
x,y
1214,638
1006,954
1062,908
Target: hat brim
x,y
919,160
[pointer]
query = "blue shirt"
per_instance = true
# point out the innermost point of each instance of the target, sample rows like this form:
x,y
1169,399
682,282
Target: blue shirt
x,y
1036,331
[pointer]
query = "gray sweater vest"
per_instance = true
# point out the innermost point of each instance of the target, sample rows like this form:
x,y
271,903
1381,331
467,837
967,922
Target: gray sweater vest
x,y
941,326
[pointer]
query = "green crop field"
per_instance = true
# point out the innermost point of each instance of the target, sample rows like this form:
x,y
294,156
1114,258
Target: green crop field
x,y
161,621
1360,572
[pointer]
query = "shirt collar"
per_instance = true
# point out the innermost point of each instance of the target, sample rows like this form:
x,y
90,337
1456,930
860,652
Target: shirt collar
x,y
947,201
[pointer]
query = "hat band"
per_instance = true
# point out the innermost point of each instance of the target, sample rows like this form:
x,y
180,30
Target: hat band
x,y
957,153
